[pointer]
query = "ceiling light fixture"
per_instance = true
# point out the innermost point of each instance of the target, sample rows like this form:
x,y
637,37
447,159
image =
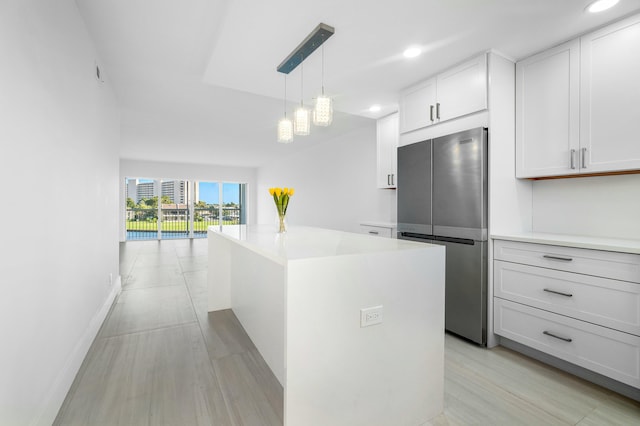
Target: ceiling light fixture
x,y
601,5
285,126
301,122
412,52
374,108
323,112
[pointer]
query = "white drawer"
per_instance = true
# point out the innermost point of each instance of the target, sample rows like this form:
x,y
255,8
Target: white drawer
x,y
378,231
607,264
605,351
575,295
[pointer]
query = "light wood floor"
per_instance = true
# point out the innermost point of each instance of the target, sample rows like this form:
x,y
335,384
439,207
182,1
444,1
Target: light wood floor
x,y
161,359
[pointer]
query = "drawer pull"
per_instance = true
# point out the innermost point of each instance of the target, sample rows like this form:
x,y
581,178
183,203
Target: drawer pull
x,y
558,292
566,259
373,232
566,339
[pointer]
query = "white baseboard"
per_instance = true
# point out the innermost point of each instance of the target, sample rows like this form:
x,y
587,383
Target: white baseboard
x,y
49,409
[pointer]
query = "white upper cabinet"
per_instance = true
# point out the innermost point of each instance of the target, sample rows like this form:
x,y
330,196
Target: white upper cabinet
x,y
610,98
456,92
462,90
387,141
578,105
548,112
417,106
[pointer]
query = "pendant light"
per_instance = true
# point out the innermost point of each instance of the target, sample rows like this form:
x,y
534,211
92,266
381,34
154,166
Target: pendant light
x,y
301,119
285,126
323,111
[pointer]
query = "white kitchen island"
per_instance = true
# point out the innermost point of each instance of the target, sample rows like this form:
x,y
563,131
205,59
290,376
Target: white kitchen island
x,y
299,296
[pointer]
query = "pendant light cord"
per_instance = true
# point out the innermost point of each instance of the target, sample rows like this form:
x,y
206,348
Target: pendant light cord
x,y
284,104
323,69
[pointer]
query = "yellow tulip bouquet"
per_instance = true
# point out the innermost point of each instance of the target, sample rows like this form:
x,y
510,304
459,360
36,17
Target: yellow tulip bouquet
x,y
281,197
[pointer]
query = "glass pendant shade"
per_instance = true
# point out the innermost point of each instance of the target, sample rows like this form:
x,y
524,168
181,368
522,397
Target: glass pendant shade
x,y
323,112
285,130
302,122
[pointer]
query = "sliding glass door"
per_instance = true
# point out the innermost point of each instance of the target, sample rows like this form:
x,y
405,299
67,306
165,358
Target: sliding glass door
x,y
170,208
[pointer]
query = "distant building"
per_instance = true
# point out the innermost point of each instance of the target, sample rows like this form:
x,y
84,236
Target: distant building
x,y
132,189
144,190
176,190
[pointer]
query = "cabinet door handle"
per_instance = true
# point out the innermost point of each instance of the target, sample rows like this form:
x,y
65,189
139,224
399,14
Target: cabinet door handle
x,y
438,110
566,339
566,259
388,180
584,158
431,112
373,232
573,158
393,179
558,292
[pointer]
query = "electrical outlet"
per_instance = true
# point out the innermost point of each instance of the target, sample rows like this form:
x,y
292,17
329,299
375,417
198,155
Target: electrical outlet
x,y
370,316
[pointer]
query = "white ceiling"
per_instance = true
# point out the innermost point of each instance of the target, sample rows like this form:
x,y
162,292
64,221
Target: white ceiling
x,y
196,79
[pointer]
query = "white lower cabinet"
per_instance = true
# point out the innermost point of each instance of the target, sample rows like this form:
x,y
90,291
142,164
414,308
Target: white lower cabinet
x,y
611,303
579,305
377,230
609,352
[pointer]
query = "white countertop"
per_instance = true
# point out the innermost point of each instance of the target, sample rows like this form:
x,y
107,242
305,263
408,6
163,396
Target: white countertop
x,y
580,241
301,242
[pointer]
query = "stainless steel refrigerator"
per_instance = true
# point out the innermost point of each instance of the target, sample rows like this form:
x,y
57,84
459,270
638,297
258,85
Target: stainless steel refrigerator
x,y
442,199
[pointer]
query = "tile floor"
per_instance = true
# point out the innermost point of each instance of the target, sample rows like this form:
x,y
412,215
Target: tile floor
x,y
161,359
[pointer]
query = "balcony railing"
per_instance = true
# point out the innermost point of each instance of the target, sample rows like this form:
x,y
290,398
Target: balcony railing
x,y
142,224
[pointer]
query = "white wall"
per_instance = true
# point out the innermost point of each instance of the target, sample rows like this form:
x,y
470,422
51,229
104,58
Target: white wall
x,y
335,184
154,169
59,168
600,206
183,171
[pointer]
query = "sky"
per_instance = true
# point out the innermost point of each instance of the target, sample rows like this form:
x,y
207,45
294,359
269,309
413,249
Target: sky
x,y
209,192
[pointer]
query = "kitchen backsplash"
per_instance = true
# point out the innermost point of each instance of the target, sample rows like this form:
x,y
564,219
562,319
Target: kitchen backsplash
x,y
602,206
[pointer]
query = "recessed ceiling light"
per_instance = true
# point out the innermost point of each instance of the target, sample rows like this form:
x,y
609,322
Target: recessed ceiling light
x,y
600,5
374,108
412,52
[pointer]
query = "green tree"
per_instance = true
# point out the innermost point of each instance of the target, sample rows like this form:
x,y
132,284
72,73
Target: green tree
x,y
149,203
201,205
165,199
130,203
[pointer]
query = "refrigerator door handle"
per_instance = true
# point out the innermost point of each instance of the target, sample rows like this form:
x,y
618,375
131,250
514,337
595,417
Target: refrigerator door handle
x,y
414,236
455,240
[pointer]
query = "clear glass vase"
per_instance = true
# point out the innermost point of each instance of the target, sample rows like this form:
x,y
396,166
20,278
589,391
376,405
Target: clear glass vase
x,y
282,225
